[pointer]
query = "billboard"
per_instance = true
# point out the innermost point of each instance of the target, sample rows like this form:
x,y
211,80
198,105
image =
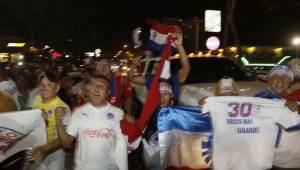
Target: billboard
x,y
212,21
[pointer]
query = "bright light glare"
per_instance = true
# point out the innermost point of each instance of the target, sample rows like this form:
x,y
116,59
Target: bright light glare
x,y
16,44
296,41
90,54
21,57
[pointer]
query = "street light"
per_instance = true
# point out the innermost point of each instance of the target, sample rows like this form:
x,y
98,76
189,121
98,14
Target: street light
x,y
296,42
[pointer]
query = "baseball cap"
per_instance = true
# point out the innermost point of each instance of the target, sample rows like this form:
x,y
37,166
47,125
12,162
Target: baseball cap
x,y
164,86
50,76
282,70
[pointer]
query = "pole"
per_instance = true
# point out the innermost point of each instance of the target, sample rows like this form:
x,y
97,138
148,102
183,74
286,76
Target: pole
x,y
197,34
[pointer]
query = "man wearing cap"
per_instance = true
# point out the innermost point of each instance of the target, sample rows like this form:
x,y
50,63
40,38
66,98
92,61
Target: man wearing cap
x,y
280,79
165,93
48,101
287,152
150,134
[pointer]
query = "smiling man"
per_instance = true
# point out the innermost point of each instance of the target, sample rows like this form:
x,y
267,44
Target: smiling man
x,y
96,127
287,151
280,79
48,101
120,88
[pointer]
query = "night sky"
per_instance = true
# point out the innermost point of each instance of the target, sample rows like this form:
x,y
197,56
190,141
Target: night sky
x,y
80,25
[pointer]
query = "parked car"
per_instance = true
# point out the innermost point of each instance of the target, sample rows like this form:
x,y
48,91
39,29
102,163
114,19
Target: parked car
x,y
205,72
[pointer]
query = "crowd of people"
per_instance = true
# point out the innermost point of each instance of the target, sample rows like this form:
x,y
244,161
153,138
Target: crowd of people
x,y
95,117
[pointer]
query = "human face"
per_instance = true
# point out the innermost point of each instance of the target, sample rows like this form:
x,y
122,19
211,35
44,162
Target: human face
x,y
98,91
279,83
103,67
48,89
165,98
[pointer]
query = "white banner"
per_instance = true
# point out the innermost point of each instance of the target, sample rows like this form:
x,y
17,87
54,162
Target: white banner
x,y
21,130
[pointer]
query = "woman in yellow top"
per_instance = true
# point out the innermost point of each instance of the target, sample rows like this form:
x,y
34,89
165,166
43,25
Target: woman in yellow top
x,y
51,153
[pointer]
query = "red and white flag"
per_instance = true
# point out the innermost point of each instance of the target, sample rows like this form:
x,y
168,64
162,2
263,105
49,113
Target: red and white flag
x,y
21,130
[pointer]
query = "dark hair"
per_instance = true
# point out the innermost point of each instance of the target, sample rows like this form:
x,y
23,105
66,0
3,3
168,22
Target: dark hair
x,y
3,72
103,58
88,70
97,76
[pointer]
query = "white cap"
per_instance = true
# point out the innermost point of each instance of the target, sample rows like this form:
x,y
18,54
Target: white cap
x,y
226,85
164,86
282,70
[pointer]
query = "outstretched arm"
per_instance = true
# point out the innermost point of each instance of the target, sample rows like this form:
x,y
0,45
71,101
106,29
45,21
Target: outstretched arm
x,y
184,71
140,79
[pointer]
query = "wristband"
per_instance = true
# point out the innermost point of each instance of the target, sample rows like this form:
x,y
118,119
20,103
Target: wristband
x,y
59,121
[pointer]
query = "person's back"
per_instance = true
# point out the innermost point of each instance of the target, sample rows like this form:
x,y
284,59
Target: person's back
x,y
8,86
6,103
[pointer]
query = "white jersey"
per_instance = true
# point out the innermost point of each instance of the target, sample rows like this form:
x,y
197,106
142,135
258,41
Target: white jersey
x,y
245,131
287,153
100,143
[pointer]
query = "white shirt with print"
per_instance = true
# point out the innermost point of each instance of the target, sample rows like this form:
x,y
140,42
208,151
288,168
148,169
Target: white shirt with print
x,y
100,143
245,131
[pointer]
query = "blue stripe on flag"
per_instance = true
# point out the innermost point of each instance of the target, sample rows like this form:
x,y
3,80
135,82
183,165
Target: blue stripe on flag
x,y
152,45
185,118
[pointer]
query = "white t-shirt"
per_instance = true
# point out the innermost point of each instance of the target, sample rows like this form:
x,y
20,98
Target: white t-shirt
x,y
245,131
100,143
10,88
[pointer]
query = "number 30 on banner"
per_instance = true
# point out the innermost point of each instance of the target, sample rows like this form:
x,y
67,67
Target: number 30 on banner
x,y
243,109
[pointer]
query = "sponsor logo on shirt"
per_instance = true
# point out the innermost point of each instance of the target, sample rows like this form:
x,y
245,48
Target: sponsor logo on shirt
x,y
110,116
49,112
8,137
103,133
84,114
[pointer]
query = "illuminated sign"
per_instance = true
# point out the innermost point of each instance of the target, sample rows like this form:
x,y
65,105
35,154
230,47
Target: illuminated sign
x,y
247,63
212,21
16,44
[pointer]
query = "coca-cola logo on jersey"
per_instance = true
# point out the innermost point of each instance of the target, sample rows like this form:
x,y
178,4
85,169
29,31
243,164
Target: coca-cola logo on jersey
x,y
8,137
98,133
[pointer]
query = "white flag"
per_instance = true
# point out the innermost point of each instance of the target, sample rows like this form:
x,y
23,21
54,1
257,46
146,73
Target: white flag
x,y
21,130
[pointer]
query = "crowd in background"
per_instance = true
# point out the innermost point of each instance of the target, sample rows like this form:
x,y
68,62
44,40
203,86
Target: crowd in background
x,y
102,104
